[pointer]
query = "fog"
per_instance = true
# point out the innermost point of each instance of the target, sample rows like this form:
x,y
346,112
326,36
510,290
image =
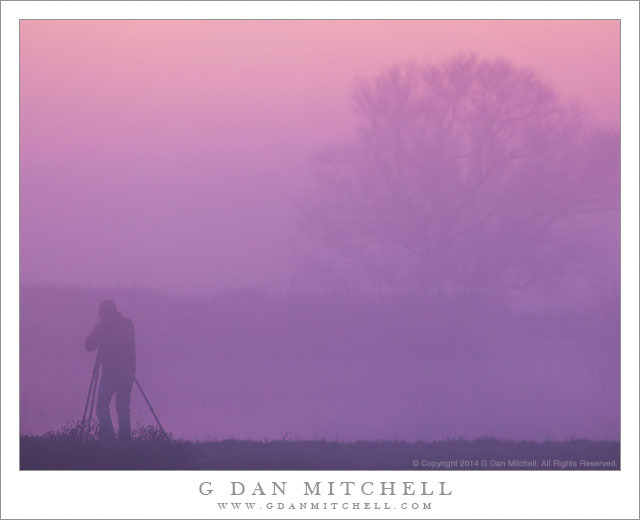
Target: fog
x,y
173,155
345,230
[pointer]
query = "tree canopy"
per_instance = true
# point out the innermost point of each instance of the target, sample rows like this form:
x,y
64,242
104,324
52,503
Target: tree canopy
x,y
467,171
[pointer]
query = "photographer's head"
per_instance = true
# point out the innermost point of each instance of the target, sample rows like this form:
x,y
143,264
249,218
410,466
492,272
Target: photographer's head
x,y
107,310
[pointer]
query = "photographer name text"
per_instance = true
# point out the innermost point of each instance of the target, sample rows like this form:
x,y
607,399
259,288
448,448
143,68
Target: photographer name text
x,y
329,488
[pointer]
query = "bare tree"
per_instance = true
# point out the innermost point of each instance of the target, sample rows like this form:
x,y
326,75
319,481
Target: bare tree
x,y
466,171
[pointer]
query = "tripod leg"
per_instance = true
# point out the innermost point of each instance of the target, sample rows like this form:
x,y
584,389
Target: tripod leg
x,y
89,393
151,408
86,403
93,399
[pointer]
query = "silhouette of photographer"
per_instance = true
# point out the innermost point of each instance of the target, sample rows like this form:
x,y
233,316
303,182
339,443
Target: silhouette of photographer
x,y
114,339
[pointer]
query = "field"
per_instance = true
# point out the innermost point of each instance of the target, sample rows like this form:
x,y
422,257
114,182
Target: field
x,y
65,450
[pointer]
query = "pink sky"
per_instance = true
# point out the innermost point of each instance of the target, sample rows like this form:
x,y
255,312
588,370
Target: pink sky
x,y
169,154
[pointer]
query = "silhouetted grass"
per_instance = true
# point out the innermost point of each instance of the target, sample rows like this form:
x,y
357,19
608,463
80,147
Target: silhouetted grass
x,y
149,450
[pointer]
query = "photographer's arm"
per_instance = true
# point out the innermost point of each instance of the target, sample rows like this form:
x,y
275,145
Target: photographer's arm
x,y
93,342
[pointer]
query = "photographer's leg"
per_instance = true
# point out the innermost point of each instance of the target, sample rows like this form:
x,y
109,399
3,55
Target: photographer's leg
x,y
123,399
105,393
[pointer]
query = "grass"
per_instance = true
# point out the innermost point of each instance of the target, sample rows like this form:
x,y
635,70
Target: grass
x,y
67,449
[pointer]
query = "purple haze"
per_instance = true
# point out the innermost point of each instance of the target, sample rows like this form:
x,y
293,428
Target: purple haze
x,y
449,267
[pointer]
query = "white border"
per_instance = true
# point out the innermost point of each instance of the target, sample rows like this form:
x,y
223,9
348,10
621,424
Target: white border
x,y
174,494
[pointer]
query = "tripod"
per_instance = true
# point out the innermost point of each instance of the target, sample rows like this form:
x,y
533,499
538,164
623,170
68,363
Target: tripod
x,y
85,426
